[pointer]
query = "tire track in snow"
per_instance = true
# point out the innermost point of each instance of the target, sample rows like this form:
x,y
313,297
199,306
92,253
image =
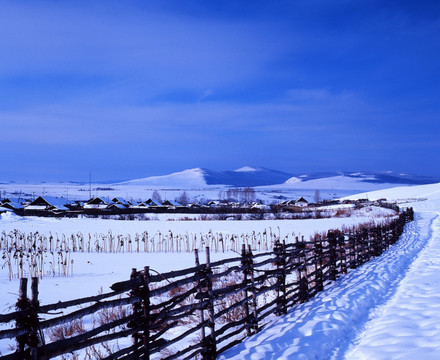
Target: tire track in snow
x,y
325,326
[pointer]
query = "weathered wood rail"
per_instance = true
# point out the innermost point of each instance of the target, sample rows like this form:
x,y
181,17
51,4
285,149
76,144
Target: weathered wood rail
x,y
197,312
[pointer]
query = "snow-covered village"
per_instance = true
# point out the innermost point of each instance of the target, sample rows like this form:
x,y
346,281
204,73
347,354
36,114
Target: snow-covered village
x,y
368,304
219,180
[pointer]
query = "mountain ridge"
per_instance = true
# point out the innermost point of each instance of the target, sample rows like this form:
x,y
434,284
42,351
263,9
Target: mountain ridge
x,y
249,176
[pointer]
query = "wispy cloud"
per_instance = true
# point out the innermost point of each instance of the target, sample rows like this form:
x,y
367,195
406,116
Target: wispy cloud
x,y
189,83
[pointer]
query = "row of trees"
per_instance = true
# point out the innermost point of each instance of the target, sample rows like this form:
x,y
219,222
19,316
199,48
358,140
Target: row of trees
x,y
246,195
182,199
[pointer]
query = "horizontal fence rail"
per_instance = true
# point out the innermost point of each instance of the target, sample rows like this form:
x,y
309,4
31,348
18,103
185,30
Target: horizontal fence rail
x,y
192,313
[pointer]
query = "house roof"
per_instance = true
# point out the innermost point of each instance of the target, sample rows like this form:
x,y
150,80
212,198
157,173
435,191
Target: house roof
x,y
152,202
117,206
58,202
170,203
12,205
40,201
120,200
99,200
301,199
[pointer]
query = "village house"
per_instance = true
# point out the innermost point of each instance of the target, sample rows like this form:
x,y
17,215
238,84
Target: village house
x,y
121,201
152,203
98,203
48,203
169,204
301,202
11,204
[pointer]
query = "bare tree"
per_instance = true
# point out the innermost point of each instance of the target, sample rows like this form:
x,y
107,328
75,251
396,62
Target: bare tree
x,y
183,199
156,196
317,196
230,195
248,195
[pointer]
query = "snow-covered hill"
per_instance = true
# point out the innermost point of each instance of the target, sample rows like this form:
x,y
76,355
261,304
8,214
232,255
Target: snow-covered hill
x,y
248,176
429,193
183,179
201,184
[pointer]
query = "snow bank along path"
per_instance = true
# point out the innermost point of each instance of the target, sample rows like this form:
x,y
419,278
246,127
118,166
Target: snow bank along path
x,y
325,327
409,324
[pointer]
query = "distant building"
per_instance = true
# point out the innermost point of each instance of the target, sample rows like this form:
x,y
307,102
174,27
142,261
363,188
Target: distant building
x,y
301,202
97,203
121,201
171,204
11,204
151,203
48,203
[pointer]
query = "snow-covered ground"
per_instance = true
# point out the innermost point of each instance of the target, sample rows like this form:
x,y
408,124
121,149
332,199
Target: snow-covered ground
x,y
389,308
386,309
103,269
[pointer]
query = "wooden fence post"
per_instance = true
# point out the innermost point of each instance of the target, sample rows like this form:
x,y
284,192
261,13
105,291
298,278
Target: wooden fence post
x,y
410,214
211,353
340,240
245,270
352,250
253,307
331,239
200,295
34,338
136,308
303,276
302,282
365,246
250,307
368,241
23,303
387,237
146,306
380,239
319,283
280,261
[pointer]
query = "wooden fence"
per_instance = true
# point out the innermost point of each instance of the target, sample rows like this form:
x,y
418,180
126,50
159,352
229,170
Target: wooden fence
x,y
192,313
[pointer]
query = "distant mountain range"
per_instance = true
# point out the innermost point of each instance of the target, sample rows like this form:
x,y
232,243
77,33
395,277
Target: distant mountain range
x,y
254,176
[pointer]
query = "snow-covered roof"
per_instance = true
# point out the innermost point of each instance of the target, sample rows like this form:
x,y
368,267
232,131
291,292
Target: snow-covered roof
x,y
152,202
48,202
170,203
59,207
120,200
12,205
116,205
194,205
99,200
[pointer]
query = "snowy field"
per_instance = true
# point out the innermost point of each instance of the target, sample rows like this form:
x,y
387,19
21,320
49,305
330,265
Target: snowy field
x,y
103,269
386,309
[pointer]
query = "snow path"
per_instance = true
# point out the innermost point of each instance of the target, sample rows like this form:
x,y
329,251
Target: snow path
x,y
324,327
409,324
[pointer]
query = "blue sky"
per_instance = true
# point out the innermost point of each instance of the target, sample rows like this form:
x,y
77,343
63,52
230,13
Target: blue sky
x,y
129,89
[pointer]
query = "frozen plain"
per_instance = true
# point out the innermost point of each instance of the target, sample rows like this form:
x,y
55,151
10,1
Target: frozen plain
x,y
379,311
